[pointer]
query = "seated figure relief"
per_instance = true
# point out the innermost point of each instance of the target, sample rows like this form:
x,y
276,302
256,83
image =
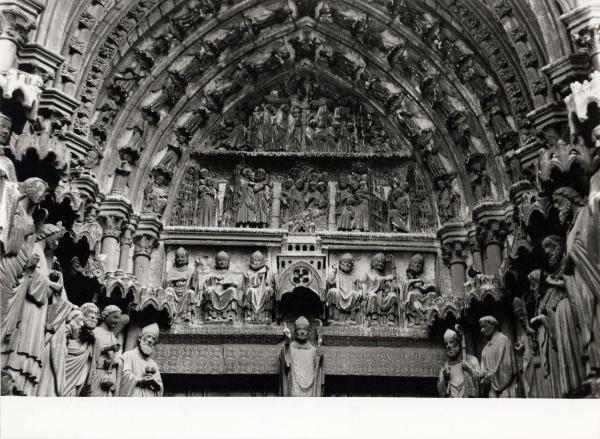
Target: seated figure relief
x,y
178,285
381,294
344,293
258,290
220,292
416,291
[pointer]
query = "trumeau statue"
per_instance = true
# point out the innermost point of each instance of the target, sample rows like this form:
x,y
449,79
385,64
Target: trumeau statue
x,y
140,375
344,293
258,290
78,368
499,370
220,292
106,351
460,374
178,283
381,294
301,363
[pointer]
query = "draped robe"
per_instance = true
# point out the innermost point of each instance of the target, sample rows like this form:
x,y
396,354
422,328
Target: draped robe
x,y
462,383
259,291
134,368
78,366
498,359
105,343
301,370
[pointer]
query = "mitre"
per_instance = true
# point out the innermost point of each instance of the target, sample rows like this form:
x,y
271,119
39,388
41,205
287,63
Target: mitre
x,y
152,330
301,321
449,335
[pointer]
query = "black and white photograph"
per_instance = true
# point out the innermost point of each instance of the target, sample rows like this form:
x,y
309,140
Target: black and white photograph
x,y
391,207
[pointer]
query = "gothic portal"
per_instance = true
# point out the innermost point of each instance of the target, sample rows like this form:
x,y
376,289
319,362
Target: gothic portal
x,y
300,197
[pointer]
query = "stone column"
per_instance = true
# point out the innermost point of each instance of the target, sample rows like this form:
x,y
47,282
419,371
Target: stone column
x,y
111,233
18,20
491,228
453,238
331,220
126,243
276,205
145,240
114,215
473,243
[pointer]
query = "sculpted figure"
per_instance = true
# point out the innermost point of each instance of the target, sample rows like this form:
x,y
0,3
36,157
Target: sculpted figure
x,y
361,209
301,363
560,323
156,195
380,293
415,290
284,199
460,374
344,205
5,129
527,350
106,349
498,362
178,283
295,135
207,201
78,366
258,289
344,293
140,376
398,206
246,200
34,310
448,202
582,264
220,291
263,195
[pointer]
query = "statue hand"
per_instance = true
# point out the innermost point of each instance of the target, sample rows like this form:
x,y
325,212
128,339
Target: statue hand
x,y
446,372
287,334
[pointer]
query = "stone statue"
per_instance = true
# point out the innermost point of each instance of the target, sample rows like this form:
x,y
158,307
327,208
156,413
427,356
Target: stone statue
x,y
258,290
155,195
140,376
415,291
499,369
263,196
448,202
106,350
582,264
381,294
246,200
178,283
361,217
220,291
344,293
527,350
344,205
5,129
206,212
79,354
301,363
398,206
460,374
32,312
556,315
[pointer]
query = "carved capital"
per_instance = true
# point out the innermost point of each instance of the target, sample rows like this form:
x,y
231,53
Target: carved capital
x,y
492,232
127,236
29,85
144,244
17,21
112,225
453,253
583,24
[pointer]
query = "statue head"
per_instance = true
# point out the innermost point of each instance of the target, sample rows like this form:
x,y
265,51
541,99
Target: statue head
x,y
90,314
5,129
566,199
75,321
534,281
257,260
182,258
378,262
312,185
51,233
147,339
595,136
416,265
300,184
322,187
346,263
222,260
287,183
260,175
553,251
488,326
301,326
452,344
34,188
111,316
